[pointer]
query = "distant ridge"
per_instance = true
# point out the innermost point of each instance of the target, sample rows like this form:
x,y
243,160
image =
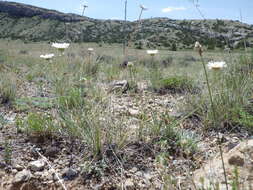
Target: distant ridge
x,y
30,23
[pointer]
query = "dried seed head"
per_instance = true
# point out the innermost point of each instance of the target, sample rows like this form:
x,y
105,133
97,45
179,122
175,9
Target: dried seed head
x,y
197,45
199,48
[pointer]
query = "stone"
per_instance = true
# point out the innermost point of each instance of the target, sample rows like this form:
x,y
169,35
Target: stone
x,y
2,174
236,160
139,173
69,174
14,171
38,174
176,114
133,112
122,86
212,170
37,165
133,170
129,183
51,151
148,176
22,176
18,167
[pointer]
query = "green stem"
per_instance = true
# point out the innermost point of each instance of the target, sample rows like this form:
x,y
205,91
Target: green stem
x,y
215,120
209,89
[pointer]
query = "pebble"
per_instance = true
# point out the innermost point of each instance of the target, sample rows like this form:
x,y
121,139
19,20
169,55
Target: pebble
x,y
37,165
129,183
22,176
69,174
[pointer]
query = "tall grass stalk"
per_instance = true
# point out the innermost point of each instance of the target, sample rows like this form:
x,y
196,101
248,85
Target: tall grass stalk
x,y
213,111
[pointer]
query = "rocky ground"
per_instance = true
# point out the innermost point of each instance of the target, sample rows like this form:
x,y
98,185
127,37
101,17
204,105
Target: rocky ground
x,y
58,163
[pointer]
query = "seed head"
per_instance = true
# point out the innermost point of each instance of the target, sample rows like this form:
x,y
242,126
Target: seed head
x,y
199,48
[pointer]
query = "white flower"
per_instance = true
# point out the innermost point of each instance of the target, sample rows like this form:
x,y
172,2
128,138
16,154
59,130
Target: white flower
x,y
90,49
130,64
197,45
83,79
47,56
61,46
152,52
216,65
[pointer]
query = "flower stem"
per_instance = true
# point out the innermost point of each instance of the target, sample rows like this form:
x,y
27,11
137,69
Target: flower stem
x,y
215,120
209,89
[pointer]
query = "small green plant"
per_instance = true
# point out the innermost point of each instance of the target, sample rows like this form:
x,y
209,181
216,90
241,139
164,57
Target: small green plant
x,y
7,152
235,183
188,142
174,47
91,66
245,119
176,84
75,97
39,125
7,88
2,121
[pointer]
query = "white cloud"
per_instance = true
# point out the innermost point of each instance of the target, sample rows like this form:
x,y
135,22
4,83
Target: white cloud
x,y
170,9
115,18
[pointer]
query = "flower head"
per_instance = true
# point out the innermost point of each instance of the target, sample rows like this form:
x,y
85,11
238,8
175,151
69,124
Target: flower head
x,y
130,64
61,46
90,49
198,47
47,56
152,52
216,65
143,7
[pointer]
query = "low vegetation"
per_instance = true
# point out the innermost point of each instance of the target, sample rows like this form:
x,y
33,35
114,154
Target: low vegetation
x,y
72,100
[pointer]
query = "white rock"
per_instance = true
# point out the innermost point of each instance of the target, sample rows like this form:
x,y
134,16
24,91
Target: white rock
x,y
133,112
37,165
22,176
129,183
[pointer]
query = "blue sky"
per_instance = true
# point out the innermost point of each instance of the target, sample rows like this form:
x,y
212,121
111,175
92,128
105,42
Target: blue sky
x,y
175,9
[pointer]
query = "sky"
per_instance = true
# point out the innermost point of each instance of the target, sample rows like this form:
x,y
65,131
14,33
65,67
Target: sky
x,y
174,9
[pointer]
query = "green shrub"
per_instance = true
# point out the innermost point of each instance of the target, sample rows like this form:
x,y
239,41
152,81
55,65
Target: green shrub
x,y
176,84
173,47
164,132
38,125
245,119
74,98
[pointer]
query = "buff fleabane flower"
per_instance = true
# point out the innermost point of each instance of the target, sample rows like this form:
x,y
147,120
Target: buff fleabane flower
x,y
216,65
198,47
60,46
90,49
130,64
47,56
83,79
152,52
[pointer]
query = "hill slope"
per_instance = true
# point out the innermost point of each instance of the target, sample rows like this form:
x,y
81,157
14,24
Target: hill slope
x,y
20,21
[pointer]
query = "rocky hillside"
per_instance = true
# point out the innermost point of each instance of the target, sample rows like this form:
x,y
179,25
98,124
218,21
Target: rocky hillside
x,y
29,23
